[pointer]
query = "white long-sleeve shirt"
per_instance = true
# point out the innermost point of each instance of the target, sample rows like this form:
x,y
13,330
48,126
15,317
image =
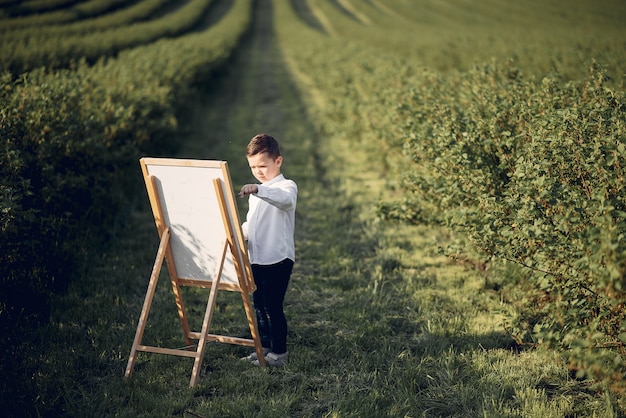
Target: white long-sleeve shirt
x,y
270,222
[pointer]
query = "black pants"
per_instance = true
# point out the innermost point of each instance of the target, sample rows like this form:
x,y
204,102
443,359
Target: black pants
x,y
271,285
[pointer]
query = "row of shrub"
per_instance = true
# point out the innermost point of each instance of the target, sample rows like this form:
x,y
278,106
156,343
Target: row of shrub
x,y
85,23
17,8
450,35
71,137
20,54
528,172
532,173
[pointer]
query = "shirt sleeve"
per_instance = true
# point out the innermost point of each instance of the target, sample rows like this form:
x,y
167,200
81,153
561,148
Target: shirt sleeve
x,y
244,230
283,196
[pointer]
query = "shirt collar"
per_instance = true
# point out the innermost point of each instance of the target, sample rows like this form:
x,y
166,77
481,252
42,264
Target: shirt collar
x,y
274,180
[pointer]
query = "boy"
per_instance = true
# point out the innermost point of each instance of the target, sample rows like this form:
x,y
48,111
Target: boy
x,y
269,229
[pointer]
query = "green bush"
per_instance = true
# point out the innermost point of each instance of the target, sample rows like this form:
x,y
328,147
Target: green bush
x,y
533,173
71,139
67,143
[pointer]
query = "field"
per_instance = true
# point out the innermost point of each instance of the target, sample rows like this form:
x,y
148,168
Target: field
x,y
461,228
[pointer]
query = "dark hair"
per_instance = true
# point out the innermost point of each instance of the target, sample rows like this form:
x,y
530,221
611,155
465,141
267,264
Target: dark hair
x,y
263,143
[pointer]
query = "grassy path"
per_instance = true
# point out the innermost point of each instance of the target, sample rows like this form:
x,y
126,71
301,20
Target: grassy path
x,y
253,95
379,324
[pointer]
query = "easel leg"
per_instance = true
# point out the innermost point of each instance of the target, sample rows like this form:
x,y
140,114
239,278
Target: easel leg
x,y
254,329
180,306
208,315
154,278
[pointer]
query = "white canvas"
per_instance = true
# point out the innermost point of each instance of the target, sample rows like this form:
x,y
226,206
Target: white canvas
x,y
190,207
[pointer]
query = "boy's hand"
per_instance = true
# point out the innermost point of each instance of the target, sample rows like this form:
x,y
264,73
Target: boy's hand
x,y
248,189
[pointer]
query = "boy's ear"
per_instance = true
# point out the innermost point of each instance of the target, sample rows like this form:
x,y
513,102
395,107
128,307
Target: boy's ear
x,y
279,160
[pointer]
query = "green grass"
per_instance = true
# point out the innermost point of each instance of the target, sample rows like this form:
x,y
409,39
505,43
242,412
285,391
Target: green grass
x,y
381,324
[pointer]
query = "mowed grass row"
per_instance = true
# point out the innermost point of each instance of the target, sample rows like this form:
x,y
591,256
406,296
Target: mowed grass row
x,y
354,92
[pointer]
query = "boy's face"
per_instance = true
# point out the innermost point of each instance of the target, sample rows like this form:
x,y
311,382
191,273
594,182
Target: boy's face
x,y
263,167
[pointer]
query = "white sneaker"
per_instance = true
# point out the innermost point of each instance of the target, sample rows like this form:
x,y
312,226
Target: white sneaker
x,y
274,360
253,356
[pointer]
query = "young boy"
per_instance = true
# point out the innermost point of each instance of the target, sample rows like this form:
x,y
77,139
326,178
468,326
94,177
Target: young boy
x,y
269,229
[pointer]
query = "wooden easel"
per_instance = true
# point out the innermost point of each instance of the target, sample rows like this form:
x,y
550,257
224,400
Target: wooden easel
x,y
231,243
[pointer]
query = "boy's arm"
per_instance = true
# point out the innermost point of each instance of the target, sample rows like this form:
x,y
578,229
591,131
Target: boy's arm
x,y
283,197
